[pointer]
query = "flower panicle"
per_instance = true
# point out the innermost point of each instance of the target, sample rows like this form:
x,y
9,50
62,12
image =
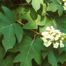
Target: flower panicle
x,y
52,36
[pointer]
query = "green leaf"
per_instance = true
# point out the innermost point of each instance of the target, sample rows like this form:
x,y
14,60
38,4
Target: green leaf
x,y
62,58
29,49
44,10
52,59
61,23
47,22
30,25
18,32
8,13
9,38
22,12
60,10
55,6
8,61
36,4
52,7
45,63
9,28
38,21
2,54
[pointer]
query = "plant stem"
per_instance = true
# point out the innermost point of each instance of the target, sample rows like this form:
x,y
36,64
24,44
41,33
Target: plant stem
x,y
20,22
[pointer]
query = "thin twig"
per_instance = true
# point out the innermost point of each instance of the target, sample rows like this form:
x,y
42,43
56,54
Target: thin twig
x,y
19,22
24,4
36,32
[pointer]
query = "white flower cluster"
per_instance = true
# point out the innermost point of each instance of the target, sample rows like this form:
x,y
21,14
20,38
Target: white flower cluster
x,y
52,36
64,6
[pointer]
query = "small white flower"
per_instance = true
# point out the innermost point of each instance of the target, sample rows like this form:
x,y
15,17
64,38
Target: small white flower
x,y
63,0
44,39
58,31
48,28
44,33
52,28
64,3
57,37
51,38
56,45
47,44
61,44
64,7
62,38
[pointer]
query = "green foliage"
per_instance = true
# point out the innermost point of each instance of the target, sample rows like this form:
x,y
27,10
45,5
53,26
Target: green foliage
x,y
8,28
54,6
52,59
21,25
29,49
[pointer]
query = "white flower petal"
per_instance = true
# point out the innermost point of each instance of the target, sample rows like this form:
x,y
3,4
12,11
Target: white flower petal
x,y
53,34
57,37
56,45
52,27
44,33
64,7
44,39
62,38
63,0
64,3
47,44
61,44
51,38
58,31
48,28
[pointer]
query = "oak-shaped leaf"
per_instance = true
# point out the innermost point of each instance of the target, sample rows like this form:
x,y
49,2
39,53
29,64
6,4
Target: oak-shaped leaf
x,y
9,29
29,49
